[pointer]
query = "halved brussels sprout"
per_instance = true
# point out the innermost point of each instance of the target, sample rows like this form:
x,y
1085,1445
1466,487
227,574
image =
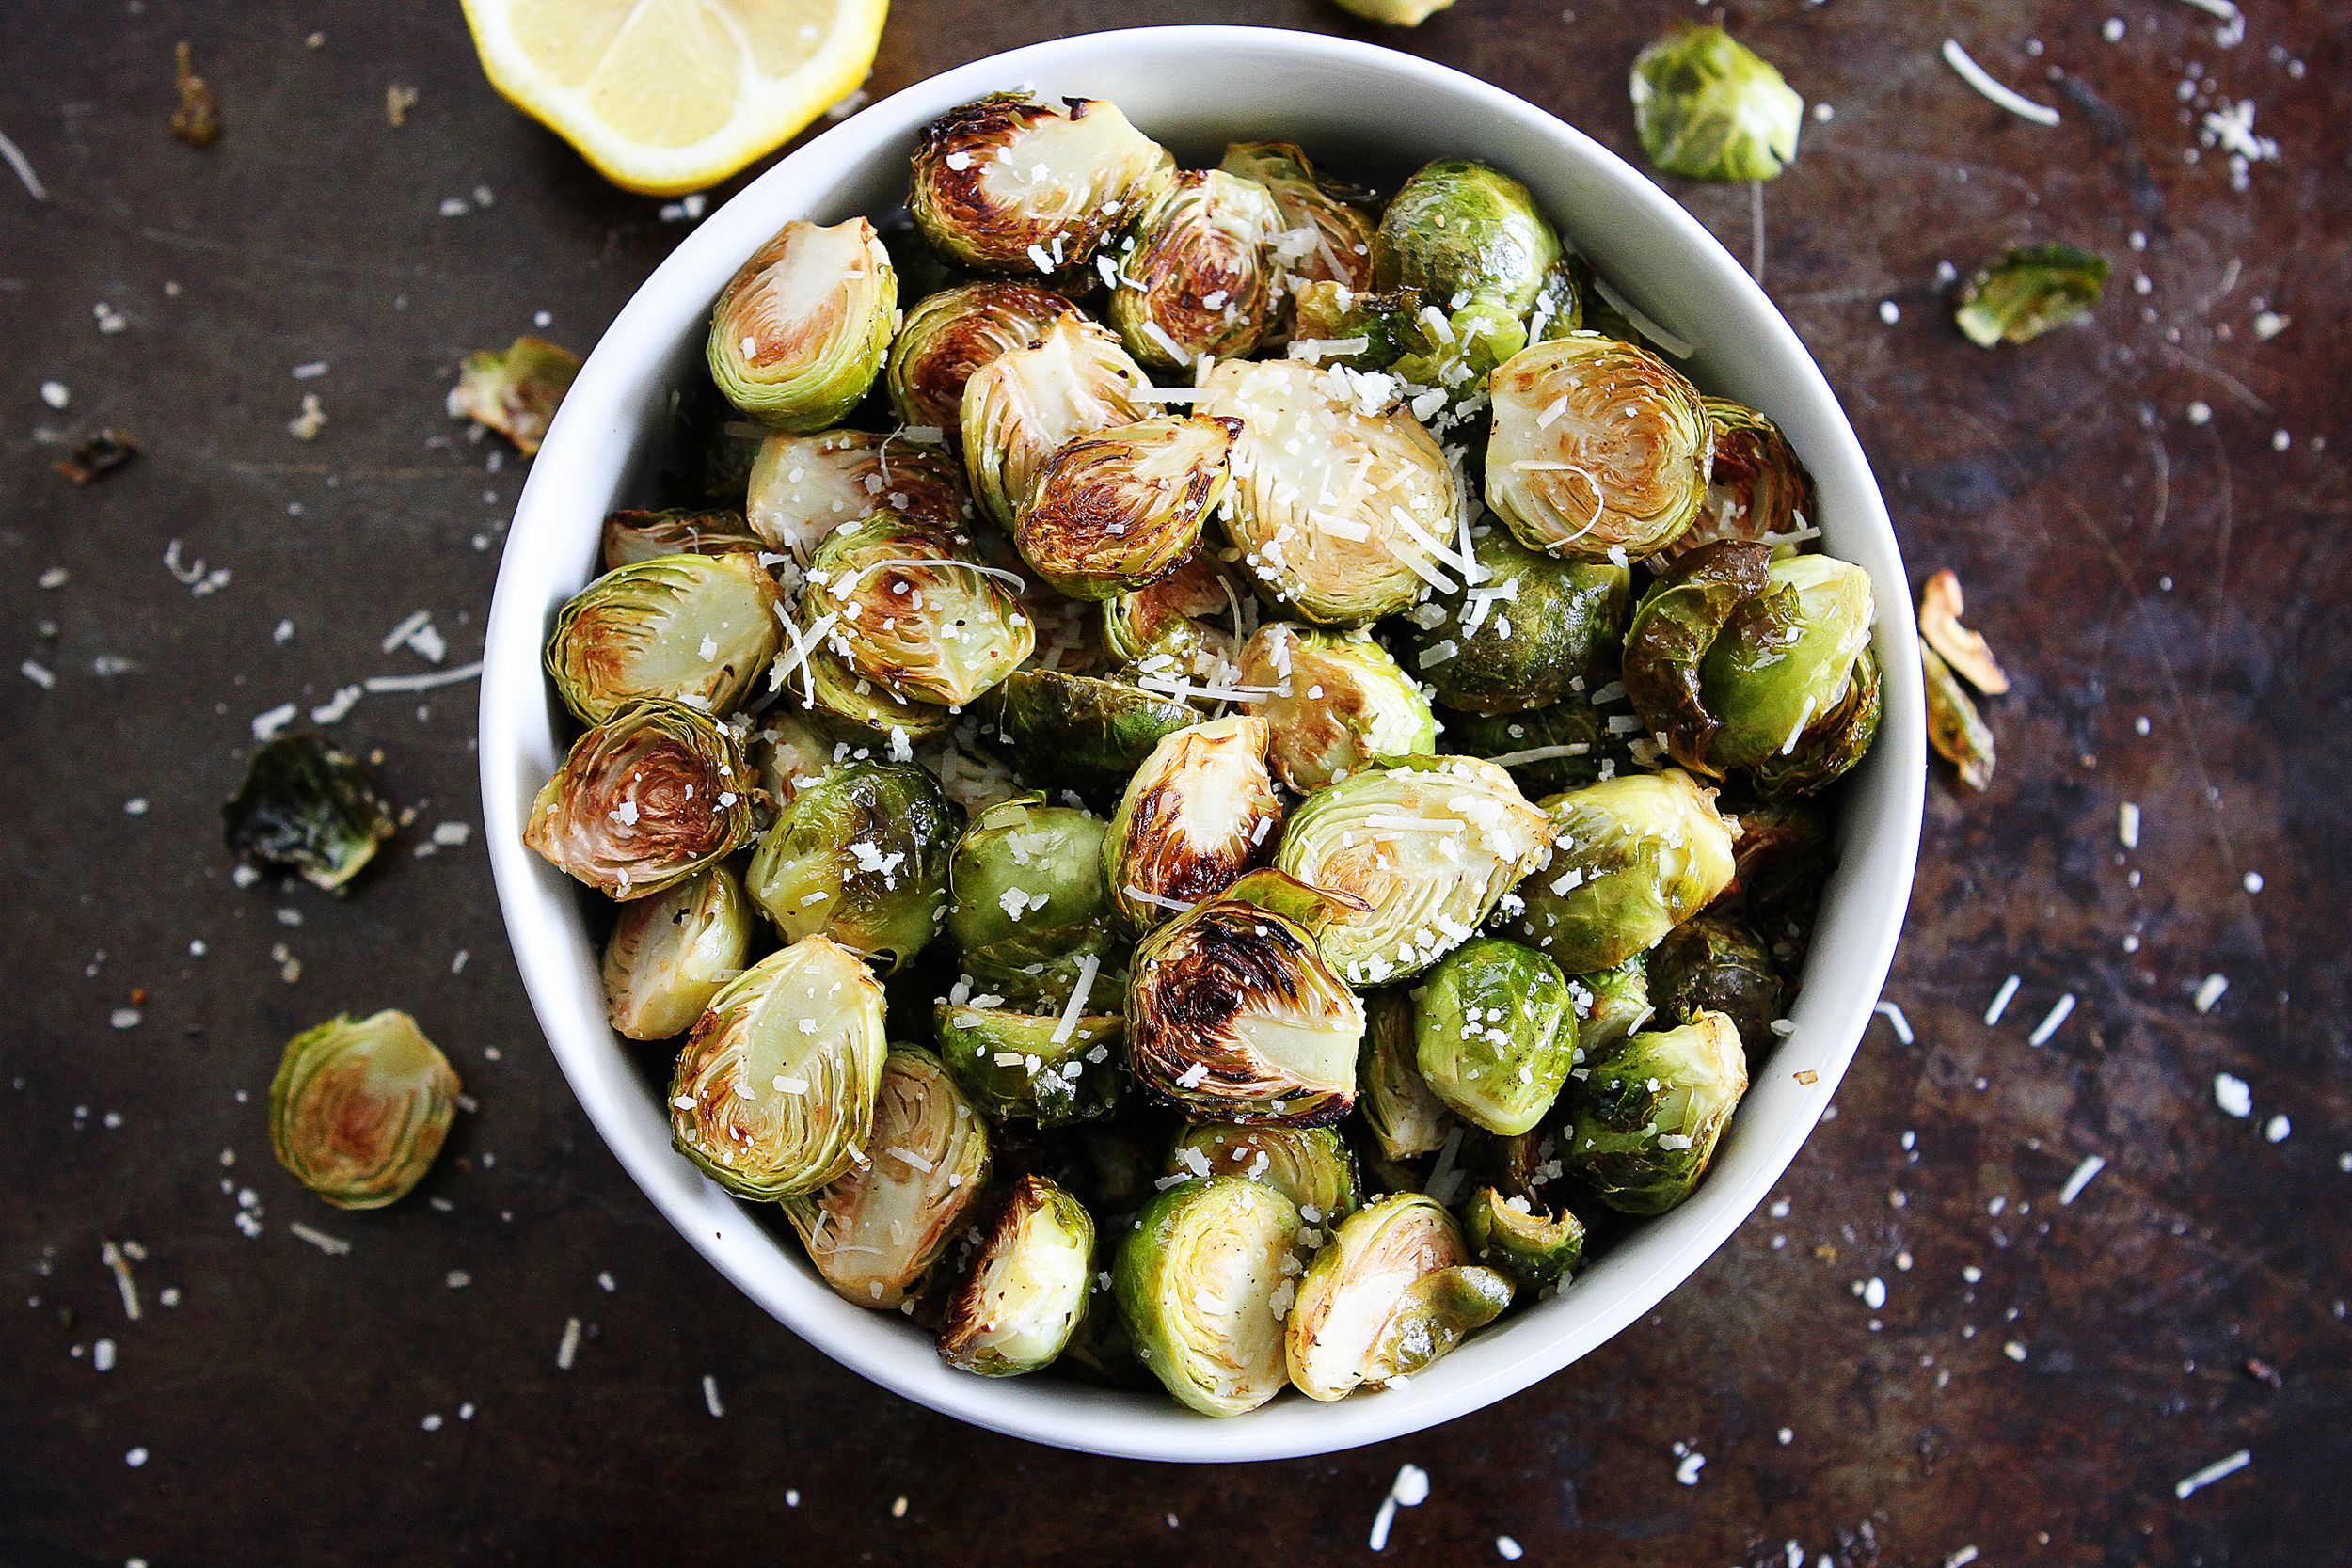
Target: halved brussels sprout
x,y
1089,733
1715,963
788,752
1404,1115
1757,489
1180,627
1196,271
1646,1116
1197,1281
1395,13
949,335
1633,857
696,629
875,1232
1427,847
1195,816
1310,1166
1458,228
308,807
1333,704
803,488
860,855
842,699
669,955
1708,107
1391,1291
1010,183
1610,1003
643,800
359,1108
1495,1034
1567,298
801,329
1026,889
1666,644
515,392
1114,511
1533,630
1029,1286
903,608
1561,745
1530,1245
773,1093
631,537
1023,405
1601,449
1020,1066
1326,228
1832,745
2029,290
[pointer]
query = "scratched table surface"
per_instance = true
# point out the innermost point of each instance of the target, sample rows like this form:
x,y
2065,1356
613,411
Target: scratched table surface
x,y
1920,1353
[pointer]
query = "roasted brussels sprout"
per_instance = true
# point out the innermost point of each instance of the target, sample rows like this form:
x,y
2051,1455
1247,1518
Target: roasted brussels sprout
x,y
1708,107
1022,407
696,629
843,701
898,603
1646,1116
1391,1291
1181,628
518,392
1610,1003
359,1107
773,1093
1532,1246
1404,1115
1461,229
1026,1067
1333,702
1494,1033
860,855
2029,290
1666,644
1195,274
1326,230
949,335
669,955
1533,630
1310,1166
307,807
1027,893
631,537
1756,489
643,800
802,328
1714,963
1395,13
803,488
1195,816
1400,332
1013,184
788,752
1197,1281
1784,858
1561,745
1115,512
1028,1288
1633,857
1087,733
1955,728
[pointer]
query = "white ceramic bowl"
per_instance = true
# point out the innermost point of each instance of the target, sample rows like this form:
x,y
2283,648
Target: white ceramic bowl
x,y
1363,110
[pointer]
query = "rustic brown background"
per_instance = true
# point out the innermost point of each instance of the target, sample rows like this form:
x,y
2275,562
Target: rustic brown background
x,y
2130,559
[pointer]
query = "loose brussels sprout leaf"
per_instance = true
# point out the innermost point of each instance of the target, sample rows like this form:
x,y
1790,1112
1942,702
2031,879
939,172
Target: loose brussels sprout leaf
x,y
1633,857
1384,1298
1310,1166
803,488
1787,662
1405,1117
1461,229
1195,816
860,855
1023,405
1757,489
1532,630
1029,1286
897,603
1832,744
643,800
669,955
800,331
1665,647
1600,450
1428,847
307,808
1708,107
1026,888
1395,13
515,394
875,1232
1646,1116
1018,1067
1013,184
1115,512
1966,652
1495,1034
696,629
773,1093
1340,510
359,1107
1563,745
1197,1281
1955,728
1716,964
1181,628
631,537
949,335
2029,290
1326,230
1534,1247
1333,702
1610,1003
1196,271
788,753
1089,733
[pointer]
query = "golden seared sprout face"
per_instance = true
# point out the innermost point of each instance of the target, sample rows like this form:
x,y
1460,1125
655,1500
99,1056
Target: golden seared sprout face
x,y
632,536
2028,291
692,628
1195,816
1332,703
1011,185
1646,1118
1391,1291
804,487
1196,274
1600,450
1632,858
1202,1281
1458,229
1115,512
643,800
1310,1166
1757,489
1021,1066
1404,1115
1179,628
801,329
1494,1033
1326,236
948,336
669,955
860,855
1342,505
1022,407
359,1108
907,611
1708,107
773,1093
1027,1288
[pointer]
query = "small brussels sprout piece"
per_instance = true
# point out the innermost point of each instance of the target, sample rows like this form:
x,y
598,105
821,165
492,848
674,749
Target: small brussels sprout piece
x,y
800,331
1390,1292
309,808
1020,1066
1022,407
1395,13
1520,1165
1646,1116
359,1107
899,604
1964,650
788,753
1756,489
1326,230
803,488
1195,816
1716,964
773,1092
1563,303
1494,1033
643,800
1666,644
1089,733
1708,107
1610,1003
669,955
1531,1245
1196,273
1403,1114
1788,671
1632,859
1196,1280
1115,512
1601,449
1012,184
696,629
1458,228
949,335
1026,887
2029,290
1334,702
875,1232
1310,1166
1427,847
1533,630
860,855
1955,728
515,393
1029,1286
631,537
1563,745
1182,626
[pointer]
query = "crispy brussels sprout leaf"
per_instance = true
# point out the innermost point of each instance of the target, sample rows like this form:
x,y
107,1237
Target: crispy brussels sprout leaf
x,y
1020,1066
1089,733
1708,107
689,628
902,608
1194,818
1116,512
1955,728
949,335
1532,630
1028,1288
669,955
632,536
1665,647
1023,405
1197,1281
1715,963
1531,1245
1404,1115
1012,184
1310,1166
1633,857
1462,229
861,856
2028,291
642,801
359,1107
803,487
515,392
1333,704
305,806
1196,273
800,331
1968,653
1326,228
1495,1034
1646,1116
1386,1297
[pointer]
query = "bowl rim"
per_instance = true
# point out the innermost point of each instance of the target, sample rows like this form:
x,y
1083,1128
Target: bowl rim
x,y
608,396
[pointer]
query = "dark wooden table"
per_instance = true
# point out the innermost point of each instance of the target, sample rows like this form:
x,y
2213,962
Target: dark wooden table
x,y
2150,514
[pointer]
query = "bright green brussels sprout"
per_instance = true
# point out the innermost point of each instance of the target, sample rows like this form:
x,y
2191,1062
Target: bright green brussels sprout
x,y
1021,1066
1666,645
1180,628
788,752
1532,1246
696,629
1392,1290
1195,816
860,855
1197,1281
773,1093
1955,728
643,800
875,1232
1023,405
1402,332
1716,964
949,335
901,607
1195,273
1115,512
308,807
803,488
1015,185
1025,889
517,393
2029,290
1561,745
1494,1033
1087,733
669,955
1601,449
1757,489
1341,512
1333,704
1567,298
1426,846
1610,1003
1460,229
1832,745
1791,676
802,328
1646,1118
1028,1288
1326,228
1310,1166
631,537
1404,1115
1395,13
359,1107
1533,630
1708,107
1633,857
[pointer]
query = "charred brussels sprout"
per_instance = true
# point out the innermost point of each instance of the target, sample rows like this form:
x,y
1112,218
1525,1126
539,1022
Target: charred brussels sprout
x,y
643,800
359,1108
1015,185
1610,1003
1194,818
860,855
1182,626
800,331
948,336
1391,1291
2029,290
1757,489
1666,644
1310,1166
1530,631
1333,702
1532,1246
1196,1280
669,955
901,607
1023,405
1326,230
1024,1068
1089,733
1716,964
1784,858
1403,1114
1028,1288
631,537
693,628
1115,512
1646,1116
1495,1034
1633,857
1027,893
1708,107
1461,229
1196,275
307,807
803,488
